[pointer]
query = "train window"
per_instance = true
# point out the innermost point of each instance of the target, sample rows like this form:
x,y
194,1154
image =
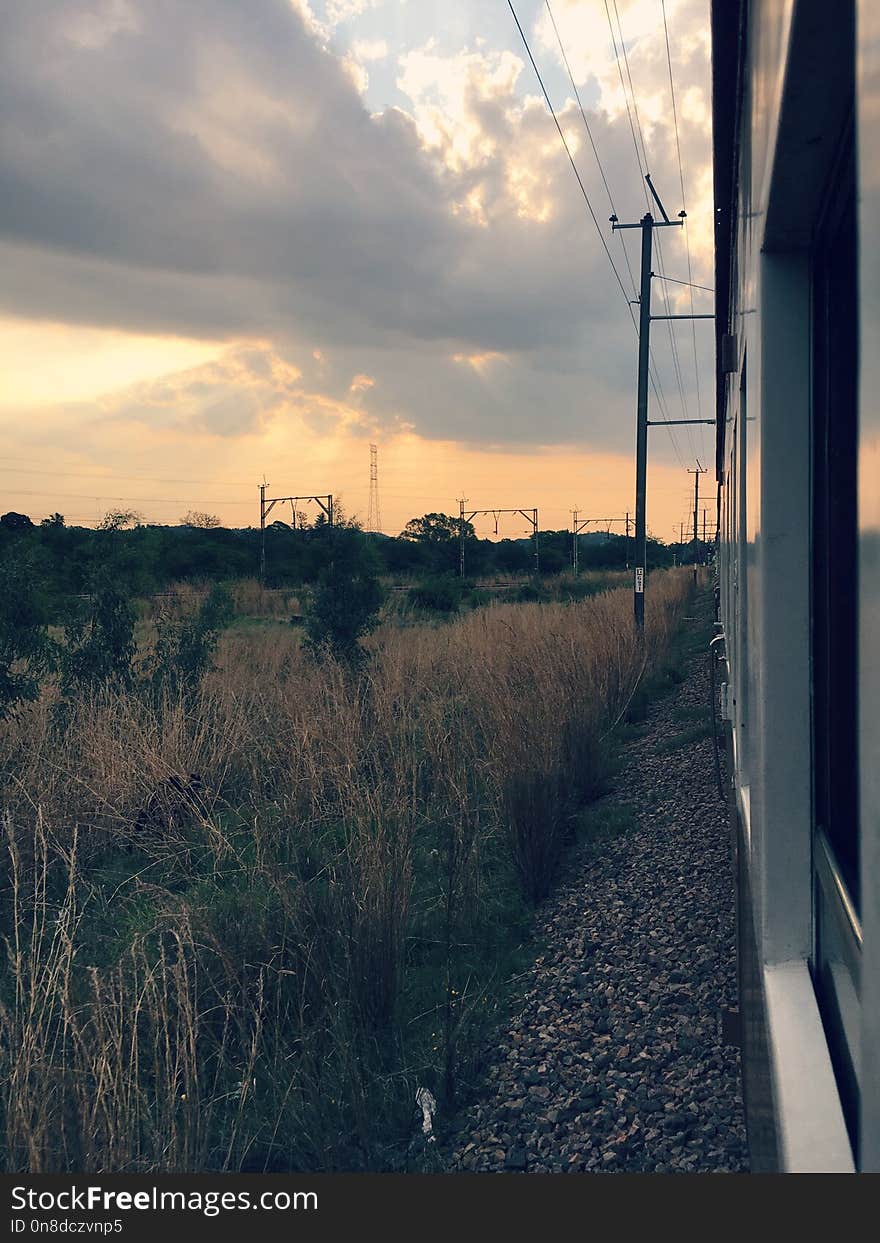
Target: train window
x,y
837,932
742,602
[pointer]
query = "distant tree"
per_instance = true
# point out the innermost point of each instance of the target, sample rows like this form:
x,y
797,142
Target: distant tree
x,y
54,520
555,551
658,553
120,519
195,518
15,522
435,529
437,537
513,557
26,651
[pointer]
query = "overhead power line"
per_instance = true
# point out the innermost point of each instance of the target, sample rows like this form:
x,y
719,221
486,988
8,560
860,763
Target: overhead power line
x,y
653,370
129,500
684,207
632,90
587,127
641,154
632,129
75,474
574,168
675,281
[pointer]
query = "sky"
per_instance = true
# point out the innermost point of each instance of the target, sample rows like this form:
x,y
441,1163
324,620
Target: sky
x,y
245,239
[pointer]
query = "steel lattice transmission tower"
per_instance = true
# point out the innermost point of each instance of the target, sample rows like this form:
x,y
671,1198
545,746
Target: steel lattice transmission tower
x,y
374,518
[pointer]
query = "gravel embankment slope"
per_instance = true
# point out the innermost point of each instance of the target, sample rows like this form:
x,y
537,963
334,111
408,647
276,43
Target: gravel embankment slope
x,y
615,1060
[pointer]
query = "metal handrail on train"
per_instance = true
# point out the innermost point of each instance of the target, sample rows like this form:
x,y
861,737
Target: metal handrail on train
x,y
827,866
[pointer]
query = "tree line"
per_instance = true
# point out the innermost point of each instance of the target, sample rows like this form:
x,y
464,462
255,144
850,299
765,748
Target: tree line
x,y
148,557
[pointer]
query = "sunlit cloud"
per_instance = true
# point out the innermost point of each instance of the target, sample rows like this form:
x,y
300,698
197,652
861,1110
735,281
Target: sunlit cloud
x,y
52,362
370,49
480,362
228,253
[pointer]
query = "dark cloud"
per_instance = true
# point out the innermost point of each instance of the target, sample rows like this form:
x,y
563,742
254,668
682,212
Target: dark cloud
x,y
208,169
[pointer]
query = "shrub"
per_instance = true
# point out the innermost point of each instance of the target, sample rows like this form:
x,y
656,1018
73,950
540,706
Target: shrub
x,y
580,589
534,804
26,651
530,593
344,607
185,647
442,594
99,639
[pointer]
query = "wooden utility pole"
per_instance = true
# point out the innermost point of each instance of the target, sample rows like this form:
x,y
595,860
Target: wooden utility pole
x,y
701,470
262,532
647,224
640,558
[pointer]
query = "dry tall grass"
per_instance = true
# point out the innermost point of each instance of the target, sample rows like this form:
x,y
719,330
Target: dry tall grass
x,y
248,598
256,970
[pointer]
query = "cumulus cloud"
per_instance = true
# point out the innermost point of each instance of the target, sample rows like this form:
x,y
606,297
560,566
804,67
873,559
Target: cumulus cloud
x,y
242,393
594,41
370,49
210,170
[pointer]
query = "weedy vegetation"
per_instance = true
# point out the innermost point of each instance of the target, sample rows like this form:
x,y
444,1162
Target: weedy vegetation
x,y
259,885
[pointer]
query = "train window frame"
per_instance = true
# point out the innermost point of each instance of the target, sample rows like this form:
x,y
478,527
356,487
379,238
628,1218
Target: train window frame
x,y
836,936
742,590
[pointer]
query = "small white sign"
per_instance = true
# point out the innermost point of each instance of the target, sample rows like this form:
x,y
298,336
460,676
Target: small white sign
x,y
640,579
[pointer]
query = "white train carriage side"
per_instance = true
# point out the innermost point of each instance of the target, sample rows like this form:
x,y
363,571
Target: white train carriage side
x,y
796,104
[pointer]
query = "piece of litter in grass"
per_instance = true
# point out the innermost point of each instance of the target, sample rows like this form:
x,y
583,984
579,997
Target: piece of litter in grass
x,y
427,1104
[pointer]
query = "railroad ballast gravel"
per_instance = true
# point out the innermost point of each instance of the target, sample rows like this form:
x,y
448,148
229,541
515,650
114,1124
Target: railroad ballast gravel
x,y
615,1061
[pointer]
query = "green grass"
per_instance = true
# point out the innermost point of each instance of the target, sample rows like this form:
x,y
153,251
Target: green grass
x,y
603,821
264,623
314,935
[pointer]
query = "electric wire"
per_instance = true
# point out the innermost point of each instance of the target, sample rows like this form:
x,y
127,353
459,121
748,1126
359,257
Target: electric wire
x,y
132,500
684,208
641,157
644,171
654,374
580,105
632,90
623,89
70,474
653,369
655,382
660,276
568,151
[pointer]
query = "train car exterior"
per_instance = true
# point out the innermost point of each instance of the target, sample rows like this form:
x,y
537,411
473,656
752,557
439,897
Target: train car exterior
x,y
796,113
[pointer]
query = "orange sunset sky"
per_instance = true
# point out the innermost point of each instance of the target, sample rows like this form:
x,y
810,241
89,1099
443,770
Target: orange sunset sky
x,y
246,241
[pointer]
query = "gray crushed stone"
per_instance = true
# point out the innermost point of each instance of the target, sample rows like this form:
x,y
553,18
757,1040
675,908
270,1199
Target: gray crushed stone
x,y
615,1060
